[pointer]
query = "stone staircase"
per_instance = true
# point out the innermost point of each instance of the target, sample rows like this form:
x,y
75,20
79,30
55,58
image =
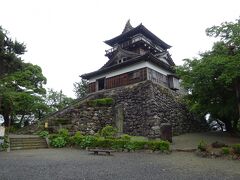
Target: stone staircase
x,y
26,142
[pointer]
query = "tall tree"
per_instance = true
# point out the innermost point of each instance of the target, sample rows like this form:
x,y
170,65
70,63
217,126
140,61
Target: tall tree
x,y
213,79
21,92
21,84
57,100
81,88
10,52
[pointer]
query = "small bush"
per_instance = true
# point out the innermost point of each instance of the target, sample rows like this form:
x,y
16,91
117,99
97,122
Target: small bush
x,y
202,146
125,137
5,144
43,134
159,145
76,139
53,136
119,144
109,132
11,129
225,150
88,141
61,139
105,143
64,133
135,145
236,149
58,142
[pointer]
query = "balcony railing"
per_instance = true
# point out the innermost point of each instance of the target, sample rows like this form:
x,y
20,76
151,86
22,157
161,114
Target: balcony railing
x,y
135,40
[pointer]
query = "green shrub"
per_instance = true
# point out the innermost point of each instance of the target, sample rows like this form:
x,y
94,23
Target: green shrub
x,y
11,129
225,150
159,145
119,144
58,142
105,143
88,141
60,139
53,136
64,133
76,139
202,146
5,144
236,149
135,145
43,134
100,102
126,137
109,132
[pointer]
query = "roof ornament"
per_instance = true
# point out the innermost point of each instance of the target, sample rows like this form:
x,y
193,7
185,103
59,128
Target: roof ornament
x,y
128,27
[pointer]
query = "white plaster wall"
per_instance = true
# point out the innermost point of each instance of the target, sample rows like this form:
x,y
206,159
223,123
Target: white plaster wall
x,y
130,68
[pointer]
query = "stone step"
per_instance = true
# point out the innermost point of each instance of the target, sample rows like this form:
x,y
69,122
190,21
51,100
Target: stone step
x,y
28,147
27,142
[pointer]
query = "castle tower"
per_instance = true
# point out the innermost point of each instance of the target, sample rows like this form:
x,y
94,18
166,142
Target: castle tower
x,y
135,55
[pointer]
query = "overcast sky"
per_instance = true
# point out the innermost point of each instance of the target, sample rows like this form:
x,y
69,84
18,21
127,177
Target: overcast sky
x,y
65,37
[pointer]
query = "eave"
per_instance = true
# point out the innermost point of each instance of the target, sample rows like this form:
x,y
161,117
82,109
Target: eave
x,y
147,57
139,29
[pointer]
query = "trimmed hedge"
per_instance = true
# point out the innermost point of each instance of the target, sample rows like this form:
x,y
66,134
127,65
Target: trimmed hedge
x,y
100,102
107,141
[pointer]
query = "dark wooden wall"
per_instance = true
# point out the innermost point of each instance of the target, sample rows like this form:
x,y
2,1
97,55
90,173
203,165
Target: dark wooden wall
x,y
92,87
127,78
131,78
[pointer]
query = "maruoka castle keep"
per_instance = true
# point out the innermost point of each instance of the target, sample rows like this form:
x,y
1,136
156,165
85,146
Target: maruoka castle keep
x,y
140,80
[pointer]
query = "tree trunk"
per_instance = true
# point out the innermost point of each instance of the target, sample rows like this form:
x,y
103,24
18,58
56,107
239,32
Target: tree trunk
x,y
21,120
228,125
7,121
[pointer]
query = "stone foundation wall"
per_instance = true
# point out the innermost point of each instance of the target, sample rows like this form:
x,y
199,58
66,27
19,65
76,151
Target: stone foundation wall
x,y
138,109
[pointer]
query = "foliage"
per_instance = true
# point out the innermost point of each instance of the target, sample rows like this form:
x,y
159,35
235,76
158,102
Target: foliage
x,y
202,146
109,132
58,142
64,134
139,138
61,139
159,145
57,100
126,137
5,144
81,88
105,143
101,102
225,150
76,139
236,149
21,84
43,134
88,141
11,129
135,145
9,54
213,80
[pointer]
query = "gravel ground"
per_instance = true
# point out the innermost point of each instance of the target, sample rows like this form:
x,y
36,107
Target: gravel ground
x,y
58,164
191,140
